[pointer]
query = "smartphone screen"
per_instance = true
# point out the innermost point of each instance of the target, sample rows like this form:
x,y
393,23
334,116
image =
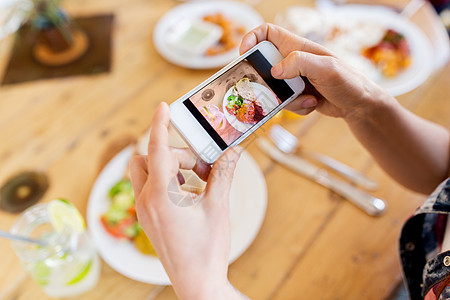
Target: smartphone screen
x,y
237,100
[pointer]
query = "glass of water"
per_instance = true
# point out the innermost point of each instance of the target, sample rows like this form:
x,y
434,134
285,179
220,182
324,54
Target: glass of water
x,y
68,264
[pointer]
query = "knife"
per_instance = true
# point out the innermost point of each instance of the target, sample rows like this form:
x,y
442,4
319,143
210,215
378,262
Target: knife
x,y
371,205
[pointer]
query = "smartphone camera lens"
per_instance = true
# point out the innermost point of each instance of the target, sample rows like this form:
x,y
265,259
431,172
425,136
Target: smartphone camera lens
x,y
208,94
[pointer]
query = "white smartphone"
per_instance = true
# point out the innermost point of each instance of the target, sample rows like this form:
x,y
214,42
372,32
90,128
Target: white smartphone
x,y
230,105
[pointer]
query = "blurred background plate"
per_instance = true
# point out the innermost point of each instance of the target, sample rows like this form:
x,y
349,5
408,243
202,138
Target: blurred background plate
x,y
248,202
421,51
235,11
422,60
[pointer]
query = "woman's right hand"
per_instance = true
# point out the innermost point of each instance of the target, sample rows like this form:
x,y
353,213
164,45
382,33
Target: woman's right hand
x,y
336,89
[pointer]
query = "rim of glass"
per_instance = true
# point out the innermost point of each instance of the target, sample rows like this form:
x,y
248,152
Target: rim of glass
x,y
27,222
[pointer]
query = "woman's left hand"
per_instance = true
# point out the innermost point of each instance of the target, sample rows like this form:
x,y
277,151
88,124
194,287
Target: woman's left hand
x,y
193,243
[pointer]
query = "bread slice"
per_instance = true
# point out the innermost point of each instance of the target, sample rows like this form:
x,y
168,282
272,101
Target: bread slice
x,y
244,89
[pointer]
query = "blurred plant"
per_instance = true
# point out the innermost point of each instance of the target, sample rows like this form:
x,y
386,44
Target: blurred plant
x,y
41,15
46,14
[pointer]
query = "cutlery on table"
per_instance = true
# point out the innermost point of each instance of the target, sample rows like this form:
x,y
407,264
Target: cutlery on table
x,y
288,143
371,205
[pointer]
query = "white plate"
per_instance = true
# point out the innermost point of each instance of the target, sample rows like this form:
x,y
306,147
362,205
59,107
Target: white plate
x,y
239,12
12,13
267,107
421,51
248,202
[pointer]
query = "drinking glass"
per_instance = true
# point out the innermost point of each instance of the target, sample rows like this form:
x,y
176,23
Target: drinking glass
x,y
67,265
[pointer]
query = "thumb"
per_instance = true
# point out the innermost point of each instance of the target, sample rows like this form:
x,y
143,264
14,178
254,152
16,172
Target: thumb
x,y
219,180
301,63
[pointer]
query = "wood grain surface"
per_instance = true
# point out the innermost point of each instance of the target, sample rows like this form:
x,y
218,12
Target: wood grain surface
x,y
313,244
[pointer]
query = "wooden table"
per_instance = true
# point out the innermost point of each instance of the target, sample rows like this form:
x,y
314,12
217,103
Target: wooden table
x,y
313,244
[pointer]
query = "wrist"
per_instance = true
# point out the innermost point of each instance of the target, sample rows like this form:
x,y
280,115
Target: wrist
x,y
210,289
373,105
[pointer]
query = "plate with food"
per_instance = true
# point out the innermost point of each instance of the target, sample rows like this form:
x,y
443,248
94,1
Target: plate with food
x,y
204,34
382,44
120,241
246,103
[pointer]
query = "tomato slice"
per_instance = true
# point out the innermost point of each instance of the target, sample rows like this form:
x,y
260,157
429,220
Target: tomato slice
x,y
118,230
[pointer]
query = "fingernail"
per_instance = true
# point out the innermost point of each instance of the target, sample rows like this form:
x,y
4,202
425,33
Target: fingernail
x,y
309,102
250,40
246,44
277,70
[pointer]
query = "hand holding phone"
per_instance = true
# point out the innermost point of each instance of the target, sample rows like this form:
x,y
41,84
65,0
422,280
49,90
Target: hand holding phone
x,y
335,89
230,105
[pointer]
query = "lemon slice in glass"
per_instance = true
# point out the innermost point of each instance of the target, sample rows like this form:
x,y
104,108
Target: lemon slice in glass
x,y
83,272
63,214
41,273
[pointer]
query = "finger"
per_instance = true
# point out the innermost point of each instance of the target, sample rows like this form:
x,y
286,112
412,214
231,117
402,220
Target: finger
x,y
161,167
180,178
303,105
185,157
159,135
303,111
284,40
202,170
221,176
188,161
138,173
304,64
249,41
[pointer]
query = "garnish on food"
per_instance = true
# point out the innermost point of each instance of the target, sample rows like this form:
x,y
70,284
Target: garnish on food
x,y
391,55
243,104
120,219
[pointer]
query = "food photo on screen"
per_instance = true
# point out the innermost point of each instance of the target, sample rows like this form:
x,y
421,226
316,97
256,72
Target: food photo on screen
x,y
236,101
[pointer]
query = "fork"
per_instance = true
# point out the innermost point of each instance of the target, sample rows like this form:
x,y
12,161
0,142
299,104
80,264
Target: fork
x,y
288,143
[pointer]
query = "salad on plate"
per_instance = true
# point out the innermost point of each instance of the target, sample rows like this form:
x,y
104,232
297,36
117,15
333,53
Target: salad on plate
x,y
120,220
243,104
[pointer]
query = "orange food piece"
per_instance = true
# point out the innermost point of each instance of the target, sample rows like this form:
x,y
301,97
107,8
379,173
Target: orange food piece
x,y
391,55
143,244
231,35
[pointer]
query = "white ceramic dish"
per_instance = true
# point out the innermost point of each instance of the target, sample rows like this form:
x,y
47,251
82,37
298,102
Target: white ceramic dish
x,y
421,51
248,201
240,12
